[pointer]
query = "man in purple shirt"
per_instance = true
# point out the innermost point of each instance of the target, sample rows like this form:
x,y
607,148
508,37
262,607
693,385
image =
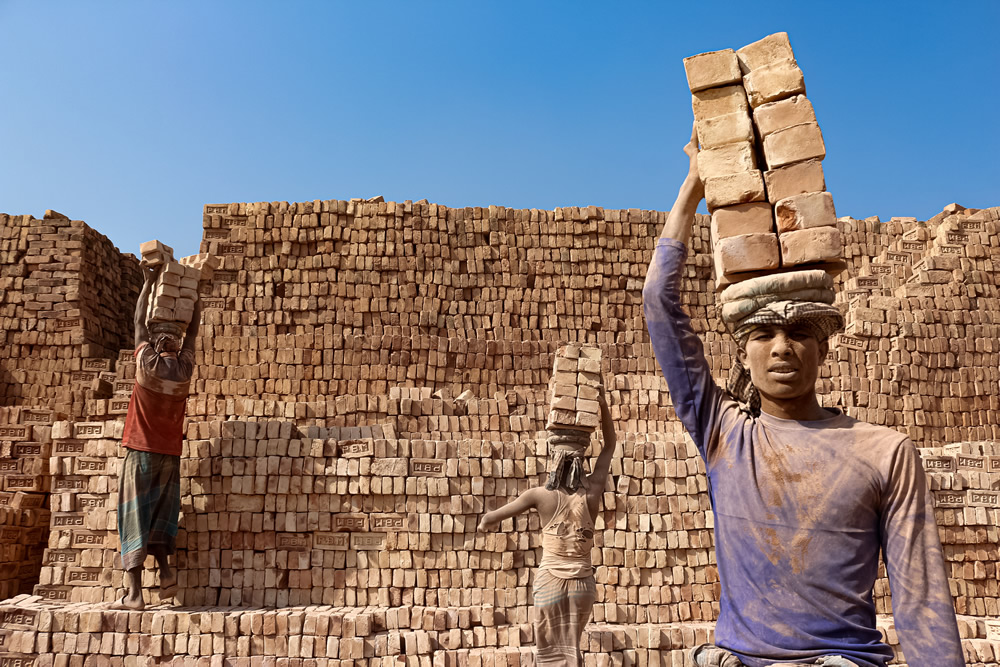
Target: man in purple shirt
x,y
804,497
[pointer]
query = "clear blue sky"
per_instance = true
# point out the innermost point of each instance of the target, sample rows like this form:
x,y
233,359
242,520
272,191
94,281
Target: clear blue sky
x,y
132,115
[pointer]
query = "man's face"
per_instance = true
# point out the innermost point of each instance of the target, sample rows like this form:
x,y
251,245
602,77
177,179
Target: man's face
x,y
783,361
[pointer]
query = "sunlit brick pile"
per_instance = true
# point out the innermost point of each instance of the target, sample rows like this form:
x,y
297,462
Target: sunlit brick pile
x,y
372,377
66,295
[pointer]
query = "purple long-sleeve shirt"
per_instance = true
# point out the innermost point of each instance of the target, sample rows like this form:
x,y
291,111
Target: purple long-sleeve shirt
x,y
801,511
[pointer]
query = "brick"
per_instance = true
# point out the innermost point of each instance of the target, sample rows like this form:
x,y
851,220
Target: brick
x,y
719,102
728,159
770,49
774,82
773,116
794,144
813,209
155,252
748,252
753,218
794,179
808,246
728,128
741,188
712,70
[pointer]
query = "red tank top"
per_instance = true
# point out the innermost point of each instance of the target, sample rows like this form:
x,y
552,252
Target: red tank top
x,y
155,420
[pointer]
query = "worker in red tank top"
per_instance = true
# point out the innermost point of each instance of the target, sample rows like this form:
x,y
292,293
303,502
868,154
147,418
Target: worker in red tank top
x,y
149,481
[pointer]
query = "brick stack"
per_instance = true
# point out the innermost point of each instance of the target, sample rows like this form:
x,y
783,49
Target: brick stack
x,y
175,291
24,485
576,382
752,114
66,294
374,376
920,352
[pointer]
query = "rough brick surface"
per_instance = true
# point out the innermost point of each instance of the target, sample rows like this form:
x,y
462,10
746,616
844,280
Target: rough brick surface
x,y
813,209
729,128
808,246
794,179
747,252
712,69
774,116
741,188
770,49
754,218
776,81
719,102
728,159
794,144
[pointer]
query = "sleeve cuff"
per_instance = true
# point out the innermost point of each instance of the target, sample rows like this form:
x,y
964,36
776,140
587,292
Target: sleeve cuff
x,y
663,242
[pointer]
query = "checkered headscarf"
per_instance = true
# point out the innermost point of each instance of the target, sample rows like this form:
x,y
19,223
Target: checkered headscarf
x,y
822,319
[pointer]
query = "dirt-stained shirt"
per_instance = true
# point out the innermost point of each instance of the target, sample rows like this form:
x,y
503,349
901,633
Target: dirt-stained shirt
x,y
155,419
802,509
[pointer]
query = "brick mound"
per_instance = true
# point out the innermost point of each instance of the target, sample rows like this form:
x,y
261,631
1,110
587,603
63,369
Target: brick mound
x,y
318,636
372,377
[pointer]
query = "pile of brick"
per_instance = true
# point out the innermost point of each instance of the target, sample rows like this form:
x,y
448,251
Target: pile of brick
x,y
920,353
24,484
66,295
343,444
576,383
752,113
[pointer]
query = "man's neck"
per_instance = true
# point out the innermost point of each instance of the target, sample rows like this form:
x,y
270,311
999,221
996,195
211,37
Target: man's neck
x,y
804,408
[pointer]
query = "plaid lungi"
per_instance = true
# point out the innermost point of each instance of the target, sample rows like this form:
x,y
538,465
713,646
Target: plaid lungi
x,y
149,502
562,610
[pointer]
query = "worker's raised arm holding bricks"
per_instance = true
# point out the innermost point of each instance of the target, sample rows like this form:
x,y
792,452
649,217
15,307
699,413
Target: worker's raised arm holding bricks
x,y
804,497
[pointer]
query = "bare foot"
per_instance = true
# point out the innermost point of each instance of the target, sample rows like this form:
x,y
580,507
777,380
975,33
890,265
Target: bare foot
x,y
128,603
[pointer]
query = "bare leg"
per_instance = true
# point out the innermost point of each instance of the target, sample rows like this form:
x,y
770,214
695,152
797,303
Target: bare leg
x,y
133,599
168,577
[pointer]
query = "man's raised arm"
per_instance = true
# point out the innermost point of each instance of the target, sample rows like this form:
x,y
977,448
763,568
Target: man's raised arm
x,y
149,274
192,331
678,349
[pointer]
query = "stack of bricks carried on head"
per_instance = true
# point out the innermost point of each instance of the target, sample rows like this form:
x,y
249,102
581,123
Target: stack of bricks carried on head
x,y
576,384
760,161
175,292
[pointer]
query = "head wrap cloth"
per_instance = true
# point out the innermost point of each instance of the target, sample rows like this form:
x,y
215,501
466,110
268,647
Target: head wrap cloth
x,y
568,447
171,328
159,330
798,298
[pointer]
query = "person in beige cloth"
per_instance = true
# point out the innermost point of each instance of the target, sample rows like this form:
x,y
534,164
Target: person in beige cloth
x,y
564,588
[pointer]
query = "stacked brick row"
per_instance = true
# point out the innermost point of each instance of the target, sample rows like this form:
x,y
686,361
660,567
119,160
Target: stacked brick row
x,y
66,295
39,634
752,114
24,484
920,352
80,561
304,307
426,426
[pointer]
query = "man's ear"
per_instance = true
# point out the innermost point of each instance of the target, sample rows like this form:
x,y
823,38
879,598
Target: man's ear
x,y
824,349
741,354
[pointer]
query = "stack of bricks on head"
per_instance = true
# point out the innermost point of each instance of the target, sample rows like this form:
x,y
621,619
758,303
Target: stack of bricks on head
x,y
760,161
175,292
576,383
